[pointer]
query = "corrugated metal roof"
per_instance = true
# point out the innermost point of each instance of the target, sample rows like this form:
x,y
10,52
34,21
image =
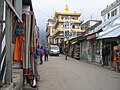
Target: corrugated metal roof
x,y
112,29
107,22
111,33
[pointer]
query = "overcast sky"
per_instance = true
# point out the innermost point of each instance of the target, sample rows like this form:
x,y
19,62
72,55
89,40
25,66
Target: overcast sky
x,y
90,9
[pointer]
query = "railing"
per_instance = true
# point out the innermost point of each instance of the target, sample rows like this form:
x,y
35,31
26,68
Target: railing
x,y
5,41
2,45
2,58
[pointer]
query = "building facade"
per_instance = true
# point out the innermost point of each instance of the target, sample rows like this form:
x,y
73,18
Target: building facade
x,y
49,32
111,10
90,52
107,34
67,25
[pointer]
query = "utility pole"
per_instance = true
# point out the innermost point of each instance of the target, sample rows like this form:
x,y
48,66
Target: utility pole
x,y
66,46
69,25
64,31
8,32
64,40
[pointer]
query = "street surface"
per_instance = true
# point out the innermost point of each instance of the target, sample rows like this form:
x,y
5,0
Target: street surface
x,y
71,74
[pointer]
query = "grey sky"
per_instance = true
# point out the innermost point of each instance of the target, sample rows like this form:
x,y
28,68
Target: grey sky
x,y
44,9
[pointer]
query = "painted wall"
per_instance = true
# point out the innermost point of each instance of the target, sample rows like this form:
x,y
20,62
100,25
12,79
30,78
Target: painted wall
x,y
84,50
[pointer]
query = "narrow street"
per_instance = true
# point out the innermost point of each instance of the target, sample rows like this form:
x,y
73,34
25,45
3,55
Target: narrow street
x,y
71,74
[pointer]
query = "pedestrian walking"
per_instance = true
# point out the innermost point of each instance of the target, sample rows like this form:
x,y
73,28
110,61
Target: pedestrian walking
x,y
46,53
42,55
66,52
38,53
105,55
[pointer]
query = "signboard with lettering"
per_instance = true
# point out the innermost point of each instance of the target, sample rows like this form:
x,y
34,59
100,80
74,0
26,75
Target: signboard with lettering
x,y
91,36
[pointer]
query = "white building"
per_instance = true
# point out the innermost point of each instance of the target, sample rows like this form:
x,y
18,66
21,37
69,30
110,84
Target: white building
x,y
49,31
111,10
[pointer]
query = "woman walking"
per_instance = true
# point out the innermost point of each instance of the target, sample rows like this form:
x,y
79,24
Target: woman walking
x,y
38,52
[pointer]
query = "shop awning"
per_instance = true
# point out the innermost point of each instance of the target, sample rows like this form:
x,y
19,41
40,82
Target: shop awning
x,y
115,32
110,30
112,20
91,36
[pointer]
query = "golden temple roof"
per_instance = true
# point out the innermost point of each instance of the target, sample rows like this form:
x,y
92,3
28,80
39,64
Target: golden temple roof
x,y
66,9
66,12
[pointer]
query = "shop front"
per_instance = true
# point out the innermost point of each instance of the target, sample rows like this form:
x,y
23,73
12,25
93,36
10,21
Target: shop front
x,y
110,38
94,48
74,51
110,43
84,50
91,47
98,51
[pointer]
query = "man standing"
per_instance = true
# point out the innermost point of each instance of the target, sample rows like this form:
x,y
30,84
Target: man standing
x,y
105,55
66,52
46,53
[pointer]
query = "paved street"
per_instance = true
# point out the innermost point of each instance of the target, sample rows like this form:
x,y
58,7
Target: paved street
x,y
71,74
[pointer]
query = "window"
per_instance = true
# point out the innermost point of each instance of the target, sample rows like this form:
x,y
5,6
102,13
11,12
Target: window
x,y
62,18
66,26
66,18
73,18
119,9
73,26
108,15
114,12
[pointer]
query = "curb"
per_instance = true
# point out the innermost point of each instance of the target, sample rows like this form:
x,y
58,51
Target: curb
x,y
99,65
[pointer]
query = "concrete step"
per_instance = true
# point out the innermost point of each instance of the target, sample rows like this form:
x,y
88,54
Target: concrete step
x,y
27,87
30,89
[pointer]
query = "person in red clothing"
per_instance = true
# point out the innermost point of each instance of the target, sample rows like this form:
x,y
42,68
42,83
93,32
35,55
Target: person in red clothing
x,y
42,55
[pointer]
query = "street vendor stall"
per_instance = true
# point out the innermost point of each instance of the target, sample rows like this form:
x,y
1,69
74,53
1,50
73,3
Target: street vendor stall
x,y
117,58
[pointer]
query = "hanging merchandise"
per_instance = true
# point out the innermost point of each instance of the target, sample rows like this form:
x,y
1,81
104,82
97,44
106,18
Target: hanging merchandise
x,y
19,42
32,71
31,66
19,47
34,82
116,62
20,29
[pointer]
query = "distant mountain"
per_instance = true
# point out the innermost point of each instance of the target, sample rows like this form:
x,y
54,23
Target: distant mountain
x,y
42,37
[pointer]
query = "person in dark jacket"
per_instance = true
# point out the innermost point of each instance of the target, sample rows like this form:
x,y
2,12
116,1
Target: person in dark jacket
x,y
66,52
46,53
107,58
105,54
